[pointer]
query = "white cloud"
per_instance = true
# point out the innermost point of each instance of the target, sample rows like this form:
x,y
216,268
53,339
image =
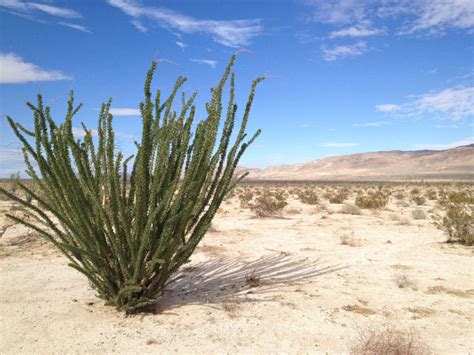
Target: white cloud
x,y
231,33
416,16
75,26
339,12
453,103
54,10
30,7
340,51
338,145
371,124
465,141
124,111
436,16
211,63
356,31
181,44
13,70
387,108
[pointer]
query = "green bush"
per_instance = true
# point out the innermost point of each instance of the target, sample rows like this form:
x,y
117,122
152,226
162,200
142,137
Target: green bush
x,y
458,222
128,232
373,201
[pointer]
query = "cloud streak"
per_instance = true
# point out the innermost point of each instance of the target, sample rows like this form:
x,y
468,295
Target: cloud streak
x,y
125,111
341,51
232,33
211,63
13,70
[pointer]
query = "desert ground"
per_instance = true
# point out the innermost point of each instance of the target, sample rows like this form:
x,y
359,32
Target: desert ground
x,y
313,278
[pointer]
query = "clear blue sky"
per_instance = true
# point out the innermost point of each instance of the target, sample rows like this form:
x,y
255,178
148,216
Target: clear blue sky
x,y
343,76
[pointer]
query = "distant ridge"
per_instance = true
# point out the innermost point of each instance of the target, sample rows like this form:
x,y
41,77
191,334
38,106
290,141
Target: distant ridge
x,y
450,164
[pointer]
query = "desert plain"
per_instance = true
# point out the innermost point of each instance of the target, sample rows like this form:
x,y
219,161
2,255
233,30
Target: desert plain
x,y
312,278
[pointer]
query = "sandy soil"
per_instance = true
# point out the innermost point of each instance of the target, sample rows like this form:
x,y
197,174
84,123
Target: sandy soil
x,y
306,282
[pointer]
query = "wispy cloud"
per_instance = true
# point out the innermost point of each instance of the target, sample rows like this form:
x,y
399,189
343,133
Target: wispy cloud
x,y
13,70
417,16
125,111
75,26
338,144
372,124
356,31
181,44
34,10
436,146
454,104
443,126
29,7
388,108
341,51
211,63
231,33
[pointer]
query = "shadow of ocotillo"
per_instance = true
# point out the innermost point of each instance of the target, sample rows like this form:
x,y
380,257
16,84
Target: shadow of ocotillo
x,y
216,280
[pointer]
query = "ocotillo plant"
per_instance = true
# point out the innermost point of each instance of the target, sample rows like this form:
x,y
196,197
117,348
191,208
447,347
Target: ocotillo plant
x,y
128,232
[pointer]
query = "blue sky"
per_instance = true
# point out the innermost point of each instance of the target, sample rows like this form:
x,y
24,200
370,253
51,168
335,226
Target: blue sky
x,y
343,76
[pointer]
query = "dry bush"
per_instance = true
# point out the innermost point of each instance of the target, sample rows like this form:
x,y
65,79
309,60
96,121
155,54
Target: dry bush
x,y
403,281
338,197
388,340
399,195
431,195
350,241
460,197
350,209
419,200
245,197
373,201
415,191
269,204
418,214
308,196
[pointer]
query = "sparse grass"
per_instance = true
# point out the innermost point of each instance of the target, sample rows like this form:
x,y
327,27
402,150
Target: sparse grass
x,y
388,340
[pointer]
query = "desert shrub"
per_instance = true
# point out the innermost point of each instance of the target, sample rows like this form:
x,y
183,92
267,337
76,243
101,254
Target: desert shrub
x,y
350,209
338,197
460,197
373,201
388,340
431,194
458,222
418,214
269,204
308,196
245,198
415,191
128,232
419,200
399,195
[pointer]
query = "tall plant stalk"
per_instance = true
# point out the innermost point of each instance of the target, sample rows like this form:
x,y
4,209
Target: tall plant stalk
x,y
128,230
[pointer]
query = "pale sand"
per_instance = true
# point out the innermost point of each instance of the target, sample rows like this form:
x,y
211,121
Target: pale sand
x,y
313,296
